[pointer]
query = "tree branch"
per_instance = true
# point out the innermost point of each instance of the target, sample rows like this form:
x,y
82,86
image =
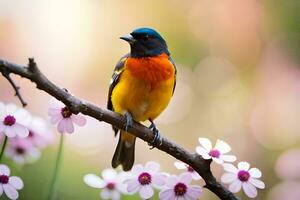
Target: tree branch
x,y
5,73
77,105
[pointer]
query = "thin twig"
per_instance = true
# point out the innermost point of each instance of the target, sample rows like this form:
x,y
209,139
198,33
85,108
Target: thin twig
x,y
16,88
77,105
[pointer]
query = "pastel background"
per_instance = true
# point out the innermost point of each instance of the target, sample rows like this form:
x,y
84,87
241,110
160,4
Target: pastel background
x,y
238,80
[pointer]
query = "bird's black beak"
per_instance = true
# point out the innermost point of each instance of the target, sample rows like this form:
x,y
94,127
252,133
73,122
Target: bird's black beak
x,y
128,38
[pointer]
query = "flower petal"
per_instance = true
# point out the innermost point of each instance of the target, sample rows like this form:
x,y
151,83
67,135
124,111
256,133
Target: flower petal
x,y
23,117
167,194
9,131
243,166
152,167
203,152
54,112
69,125
249,190
61,127
137,169
218,160
56,118
194,192
11,108
185,178
54,103
109,174
171,181
257,183
79,119
133,186
16,182
255,173
205,143
159,179
228,178
93,181
115,195
21,130
196,176
230,168
1,190
228,158
2,127
180,165
222,146
105,194
235,186
10,191
4,170
146,192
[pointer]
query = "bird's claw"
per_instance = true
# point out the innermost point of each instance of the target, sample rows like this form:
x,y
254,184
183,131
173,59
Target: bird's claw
x,y
128,120
157,138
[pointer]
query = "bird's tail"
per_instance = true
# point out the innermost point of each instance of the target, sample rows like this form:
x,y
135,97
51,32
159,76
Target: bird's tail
x,y
124,153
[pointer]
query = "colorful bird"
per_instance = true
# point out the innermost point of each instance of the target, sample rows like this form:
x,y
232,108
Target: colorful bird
x,y
141,87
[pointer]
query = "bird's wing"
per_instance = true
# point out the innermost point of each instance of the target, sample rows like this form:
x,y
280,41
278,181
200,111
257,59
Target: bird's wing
x,y
114,81
175,74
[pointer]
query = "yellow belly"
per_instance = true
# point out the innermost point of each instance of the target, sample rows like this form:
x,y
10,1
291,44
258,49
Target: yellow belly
x,y
141,99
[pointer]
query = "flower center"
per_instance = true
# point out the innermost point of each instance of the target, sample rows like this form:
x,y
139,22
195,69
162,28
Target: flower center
x,y
144,178
20,150
190,169
214,153
243,175
9,120
4,179
180,189
65,112
31,134
111,186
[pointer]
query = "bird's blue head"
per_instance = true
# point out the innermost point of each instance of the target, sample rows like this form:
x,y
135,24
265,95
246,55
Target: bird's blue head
x,y
145,42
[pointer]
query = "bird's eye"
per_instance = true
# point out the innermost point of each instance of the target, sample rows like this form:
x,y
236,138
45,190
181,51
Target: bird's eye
x,y
146,37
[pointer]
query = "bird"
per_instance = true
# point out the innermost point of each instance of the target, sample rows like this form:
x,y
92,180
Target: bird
x,y
141,87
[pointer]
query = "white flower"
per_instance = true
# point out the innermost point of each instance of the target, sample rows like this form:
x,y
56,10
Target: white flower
x,y
216,153
9,184
61,115
145,178
189,169
39,133
111,183
179,188
13,121
244,177
22,151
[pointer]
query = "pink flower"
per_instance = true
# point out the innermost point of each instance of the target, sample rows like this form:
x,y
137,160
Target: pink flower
x,y
39,133
61,115
189,169
180,188
145,178
111,183
8,184
13,120
22,151
242,177
216,153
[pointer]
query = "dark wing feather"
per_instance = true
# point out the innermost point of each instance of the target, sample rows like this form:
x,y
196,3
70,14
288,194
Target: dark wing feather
x,y
114,81
175,74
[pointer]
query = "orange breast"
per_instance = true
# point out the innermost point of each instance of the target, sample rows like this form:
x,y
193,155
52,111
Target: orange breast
x,y
151,69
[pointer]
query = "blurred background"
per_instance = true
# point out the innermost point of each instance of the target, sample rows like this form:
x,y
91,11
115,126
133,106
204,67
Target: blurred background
x,y
238,80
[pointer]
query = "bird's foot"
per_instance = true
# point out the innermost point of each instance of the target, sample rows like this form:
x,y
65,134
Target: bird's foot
x,y
157,138
128,120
